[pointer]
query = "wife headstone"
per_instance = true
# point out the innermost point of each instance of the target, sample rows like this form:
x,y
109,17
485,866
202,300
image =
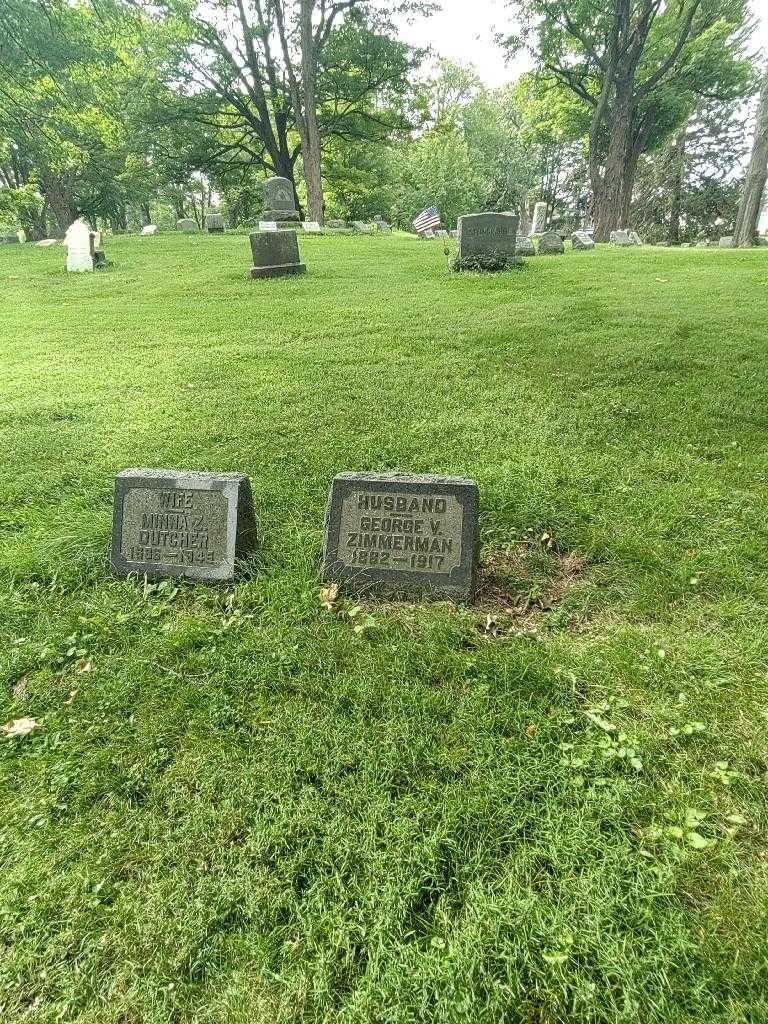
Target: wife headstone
x,y
488,233
275,254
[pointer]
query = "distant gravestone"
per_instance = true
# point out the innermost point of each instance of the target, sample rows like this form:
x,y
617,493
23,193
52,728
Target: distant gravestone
x,y
581,241
275,254
186,224
179,523
621,238
279,200
551,244
311,227
149,229
485,234
362,228
45,243
267,225
10,239
397,533
634,238
524,246
455,233
80,248
726,242
702,244
214,224
539,219
429,233
336,224
442,233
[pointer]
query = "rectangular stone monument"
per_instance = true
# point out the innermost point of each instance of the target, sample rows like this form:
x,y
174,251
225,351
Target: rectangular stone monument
x,y
267,225
180,523
539,220
621,238
311,227
524,246
726,242
402,534
186,224
279,201
275,254
337,224
488,233
214,224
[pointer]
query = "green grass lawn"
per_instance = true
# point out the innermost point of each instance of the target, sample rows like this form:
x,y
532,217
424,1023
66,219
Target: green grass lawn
x,y
243,807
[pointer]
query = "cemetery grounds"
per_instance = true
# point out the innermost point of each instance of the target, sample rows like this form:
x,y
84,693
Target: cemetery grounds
x,y
246,803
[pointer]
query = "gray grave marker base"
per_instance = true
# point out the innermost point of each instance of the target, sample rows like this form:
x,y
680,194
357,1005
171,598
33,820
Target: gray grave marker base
x,y
275,254
401,534
179,523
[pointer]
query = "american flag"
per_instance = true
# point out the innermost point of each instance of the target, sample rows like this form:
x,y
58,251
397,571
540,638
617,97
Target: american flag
x,y
428,220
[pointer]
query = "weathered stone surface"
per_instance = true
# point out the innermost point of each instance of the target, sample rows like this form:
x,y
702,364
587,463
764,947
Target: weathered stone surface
x,y
634,238
179,523
337,224
551,244
186,224
581,241
402,534
80,249
275,254
10,239
99,259
45,243
621,238
214,224
279,200
441,233
267,225
311,227
539,219
362,228
524,246
455,233
703,244
726,242
149,229
483,234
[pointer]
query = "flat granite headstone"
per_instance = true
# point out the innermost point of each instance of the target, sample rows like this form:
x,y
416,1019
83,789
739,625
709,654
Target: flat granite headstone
x,y
337,224
178,523
551,244
275,254
311,227
726,242
44,243
539,219
214,224
400,534
267,225
621,238
279,200
524,246
186,224
487,233
581,241
634,238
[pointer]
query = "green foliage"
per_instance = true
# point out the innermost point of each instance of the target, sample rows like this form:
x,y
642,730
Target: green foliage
x,y
485,262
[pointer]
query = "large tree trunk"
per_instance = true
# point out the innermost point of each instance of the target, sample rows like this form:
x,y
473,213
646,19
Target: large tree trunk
x,y
610,198
757,174
58,200
310,135
676,188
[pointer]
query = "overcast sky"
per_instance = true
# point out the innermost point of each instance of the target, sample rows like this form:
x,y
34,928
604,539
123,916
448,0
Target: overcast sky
x,y
464,29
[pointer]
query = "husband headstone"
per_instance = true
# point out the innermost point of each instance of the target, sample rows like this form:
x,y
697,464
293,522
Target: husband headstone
x,y
279,201
397,533
488,234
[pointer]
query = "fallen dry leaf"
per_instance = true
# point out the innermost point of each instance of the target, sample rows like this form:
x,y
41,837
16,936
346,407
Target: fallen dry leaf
x,y
531,730
328,596
20,687
20,727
